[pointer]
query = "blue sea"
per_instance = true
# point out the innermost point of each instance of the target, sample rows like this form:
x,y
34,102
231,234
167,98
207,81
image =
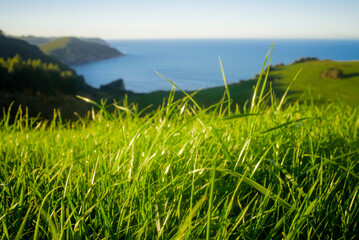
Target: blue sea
x,y
194,64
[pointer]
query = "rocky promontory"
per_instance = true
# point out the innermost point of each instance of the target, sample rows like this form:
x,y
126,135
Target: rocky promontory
x,y
71,51
115,86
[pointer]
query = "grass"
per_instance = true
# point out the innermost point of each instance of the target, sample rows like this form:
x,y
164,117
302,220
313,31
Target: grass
x,y
323,89
268,171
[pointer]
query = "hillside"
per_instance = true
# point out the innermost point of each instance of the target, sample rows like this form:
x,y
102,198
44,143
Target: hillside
x,y
10,47
71,50
30,78
316,78
311,84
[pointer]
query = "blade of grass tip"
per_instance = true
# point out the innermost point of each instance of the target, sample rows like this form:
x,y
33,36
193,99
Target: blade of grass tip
x,y
284,125
266,76
194,118
226,86
7,115
171,96
124,109
144,109
241,116
22,226
194,102
221,105
157,113
259,82
257,186
272,97
97,105
291,83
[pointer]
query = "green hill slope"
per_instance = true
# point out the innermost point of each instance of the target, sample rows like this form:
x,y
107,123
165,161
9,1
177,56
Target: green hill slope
x,y
315,77
32,79
76,51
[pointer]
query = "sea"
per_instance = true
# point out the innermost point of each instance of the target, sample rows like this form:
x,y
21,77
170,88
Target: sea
x,y
194,64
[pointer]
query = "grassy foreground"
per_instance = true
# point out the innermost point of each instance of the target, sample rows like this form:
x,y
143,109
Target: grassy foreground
x,y
183,172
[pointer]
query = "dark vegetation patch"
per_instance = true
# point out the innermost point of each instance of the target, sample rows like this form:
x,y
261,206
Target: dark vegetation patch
x,y
333,73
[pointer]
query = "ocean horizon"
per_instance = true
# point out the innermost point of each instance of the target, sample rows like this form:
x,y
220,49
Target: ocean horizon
x,y
194,63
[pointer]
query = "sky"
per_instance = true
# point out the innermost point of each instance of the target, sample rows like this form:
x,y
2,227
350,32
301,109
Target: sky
x,y
181,19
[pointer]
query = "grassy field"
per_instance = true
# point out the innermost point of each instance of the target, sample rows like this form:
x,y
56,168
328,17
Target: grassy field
x,y
268,171
343,89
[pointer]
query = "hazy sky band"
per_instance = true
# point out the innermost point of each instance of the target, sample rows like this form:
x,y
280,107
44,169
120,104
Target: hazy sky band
x,y
140,19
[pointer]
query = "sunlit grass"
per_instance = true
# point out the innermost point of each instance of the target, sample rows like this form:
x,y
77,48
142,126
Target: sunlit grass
x,y
271,171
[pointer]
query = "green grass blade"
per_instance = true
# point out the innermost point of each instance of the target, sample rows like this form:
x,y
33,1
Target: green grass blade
x,y
22,226
6,232
286,91
189,96
107,113
290,123
226,86
258,187
253,103
36,233
243,115
266,76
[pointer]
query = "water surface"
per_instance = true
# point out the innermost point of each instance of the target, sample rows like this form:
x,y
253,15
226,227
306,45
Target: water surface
x,y
194,64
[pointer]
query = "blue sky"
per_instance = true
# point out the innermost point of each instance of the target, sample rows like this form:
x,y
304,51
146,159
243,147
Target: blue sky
x,y
140,19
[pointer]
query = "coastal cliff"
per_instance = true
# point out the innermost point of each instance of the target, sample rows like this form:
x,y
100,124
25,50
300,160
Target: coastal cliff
x,y
73,51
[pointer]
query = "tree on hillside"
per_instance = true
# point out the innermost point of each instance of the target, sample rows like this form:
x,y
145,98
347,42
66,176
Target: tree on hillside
x,y
35,76
15,63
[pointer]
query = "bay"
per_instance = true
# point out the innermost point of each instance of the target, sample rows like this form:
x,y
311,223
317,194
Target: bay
x,y
194,64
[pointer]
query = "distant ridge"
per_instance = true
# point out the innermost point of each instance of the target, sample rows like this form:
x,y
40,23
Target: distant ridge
x,y
38,41
70,50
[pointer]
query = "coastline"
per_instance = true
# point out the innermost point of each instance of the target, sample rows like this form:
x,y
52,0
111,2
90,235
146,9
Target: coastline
x,y
193,63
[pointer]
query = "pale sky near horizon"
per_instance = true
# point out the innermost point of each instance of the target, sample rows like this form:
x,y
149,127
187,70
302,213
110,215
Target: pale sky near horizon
x,y
140,19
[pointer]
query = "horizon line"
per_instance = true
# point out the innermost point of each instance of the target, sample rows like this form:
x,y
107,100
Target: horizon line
x,y
229,38
193,38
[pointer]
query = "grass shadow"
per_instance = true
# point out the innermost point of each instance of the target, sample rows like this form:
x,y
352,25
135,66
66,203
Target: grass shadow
x,y
350,75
